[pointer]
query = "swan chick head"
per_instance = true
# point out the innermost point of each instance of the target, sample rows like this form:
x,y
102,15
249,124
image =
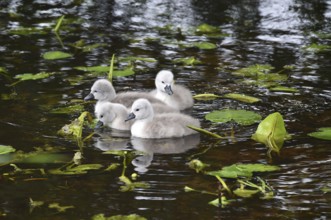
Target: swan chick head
x,y
141,109
105,114
101,90
164,81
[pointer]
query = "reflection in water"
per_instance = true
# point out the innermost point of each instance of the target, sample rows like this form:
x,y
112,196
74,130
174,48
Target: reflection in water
x,y
155,13
112,140
160,146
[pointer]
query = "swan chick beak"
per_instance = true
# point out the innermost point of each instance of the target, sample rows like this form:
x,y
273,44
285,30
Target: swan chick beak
x,y
168,90
89,97
130,117
99,124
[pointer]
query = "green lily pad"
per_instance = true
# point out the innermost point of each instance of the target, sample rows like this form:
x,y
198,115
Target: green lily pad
x,y
271,132
245,193
125,72
206,29
242,117
322,133
283,89
242,97
55,55
6,149
31,76
242,170
206,96
187,61
253,70
205,45
316,48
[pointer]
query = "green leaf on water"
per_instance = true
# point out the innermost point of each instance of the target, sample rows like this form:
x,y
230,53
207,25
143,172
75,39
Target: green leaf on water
x,y
283,89
58,24
224,202
187,61
206,29
6,149
206,96
197,165
125,72
242,170
317,48
68,109
118,217
60,208
253,70
102,69
31,76
55,55
271,132
203,131
144,59
322,133
76,170
205,45
242,117
75,128
245,193
242,97
27,31
43,158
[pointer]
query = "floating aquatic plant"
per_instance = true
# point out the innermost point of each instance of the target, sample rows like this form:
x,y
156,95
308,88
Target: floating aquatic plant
x,y
6,149
203,131
205,45
187,61
118,217
242,170
242,117
206,96
283,89
317,48
68,109
242,174
242,97
322,133
271,132
56,55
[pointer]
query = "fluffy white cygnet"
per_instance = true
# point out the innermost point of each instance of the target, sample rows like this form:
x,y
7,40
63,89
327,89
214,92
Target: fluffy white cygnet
x,y
103,91
173,95
167,125
112,115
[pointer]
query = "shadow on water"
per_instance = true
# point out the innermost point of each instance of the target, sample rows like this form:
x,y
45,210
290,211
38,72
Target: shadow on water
x,y
277,33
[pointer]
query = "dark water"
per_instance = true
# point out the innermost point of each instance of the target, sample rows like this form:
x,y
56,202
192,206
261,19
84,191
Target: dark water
x,y
259,32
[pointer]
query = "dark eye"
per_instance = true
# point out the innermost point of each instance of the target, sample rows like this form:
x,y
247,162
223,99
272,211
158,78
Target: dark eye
x,y
101,116
95,91
137,110
162,82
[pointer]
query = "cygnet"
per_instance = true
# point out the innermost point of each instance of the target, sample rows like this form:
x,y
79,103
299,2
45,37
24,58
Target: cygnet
x,y
173,95
103,90
167,125
112,115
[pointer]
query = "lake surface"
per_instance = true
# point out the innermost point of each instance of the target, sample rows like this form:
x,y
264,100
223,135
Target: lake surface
x,y
275,33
